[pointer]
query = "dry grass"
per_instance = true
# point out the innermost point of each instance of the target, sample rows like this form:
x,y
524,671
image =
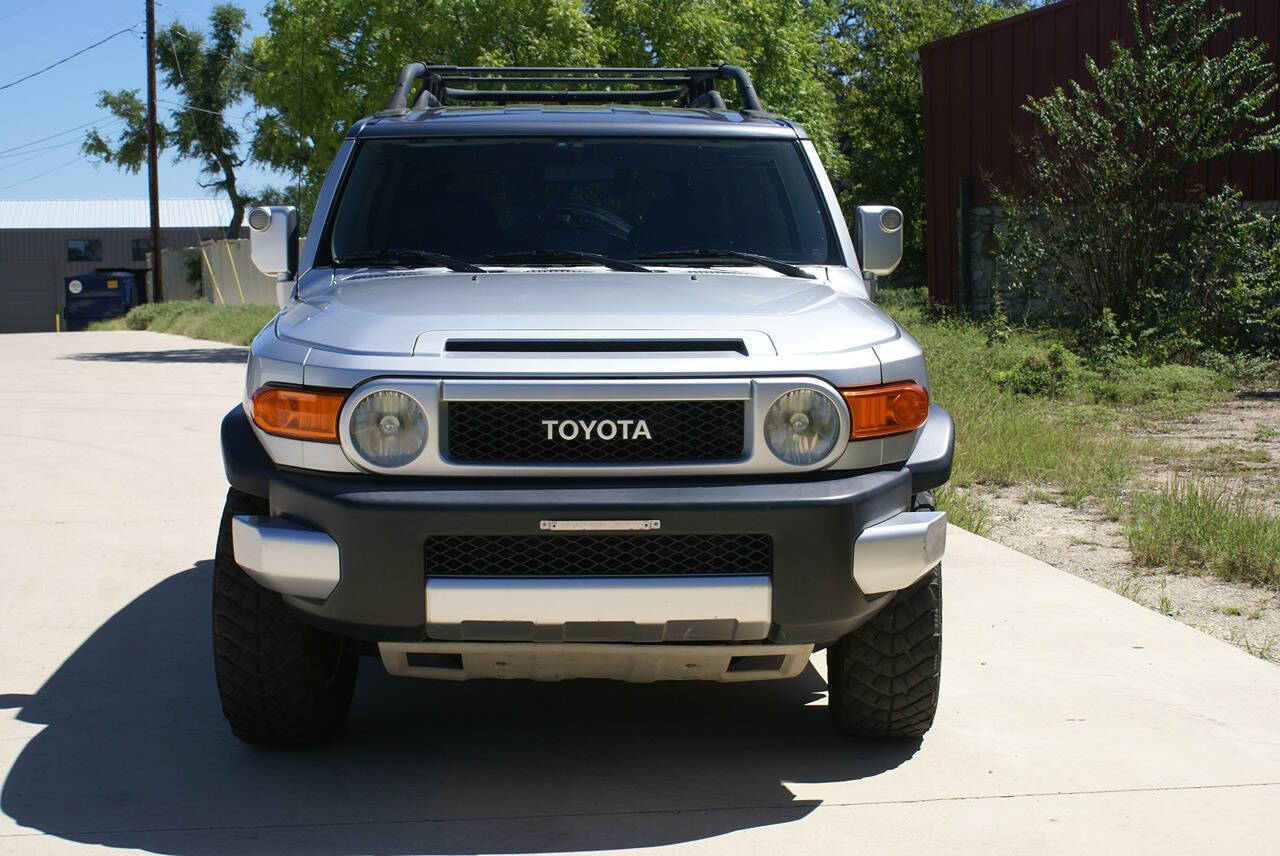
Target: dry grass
x,y
199,319
1193,526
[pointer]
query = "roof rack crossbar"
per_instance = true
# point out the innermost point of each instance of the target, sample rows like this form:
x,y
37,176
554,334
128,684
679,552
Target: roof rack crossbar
x,y
689,87
481,78
561,69
598,96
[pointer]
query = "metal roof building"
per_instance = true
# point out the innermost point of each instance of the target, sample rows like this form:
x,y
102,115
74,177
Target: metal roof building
x,y
112,213
44,241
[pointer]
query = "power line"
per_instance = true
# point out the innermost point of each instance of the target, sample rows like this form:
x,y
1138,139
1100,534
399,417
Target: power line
x,y
32,154
132,22
52,136
189,106
9,15
66,59
200,42
183,78
24,160
76,159
37,152
182,106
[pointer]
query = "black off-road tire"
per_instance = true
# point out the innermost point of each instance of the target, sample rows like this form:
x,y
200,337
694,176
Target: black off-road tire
x,y
282,681
883,677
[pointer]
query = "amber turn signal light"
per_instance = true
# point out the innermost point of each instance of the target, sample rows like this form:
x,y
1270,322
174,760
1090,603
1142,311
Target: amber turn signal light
x,y
302,414
890,408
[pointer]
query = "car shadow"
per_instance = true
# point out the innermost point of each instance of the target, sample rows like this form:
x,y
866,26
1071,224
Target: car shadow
x,y
135,753
175,355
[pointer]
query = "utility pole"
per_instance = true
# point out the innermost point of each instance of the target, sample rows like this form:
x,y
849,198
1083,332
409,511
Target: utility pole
x,y
153,178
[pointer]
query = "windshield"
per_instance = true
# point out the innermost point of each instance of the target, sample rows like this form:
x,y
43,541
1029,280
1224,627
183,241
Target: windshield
x,y
539,200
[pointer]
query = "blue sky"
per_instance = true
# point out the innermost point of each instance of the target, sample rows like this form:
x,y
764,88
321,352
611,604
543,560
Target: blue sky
x,y
35,33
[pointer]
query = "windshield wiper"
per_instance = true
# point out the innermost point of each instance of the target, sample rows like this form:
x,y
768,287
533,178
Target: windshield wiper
x,y
407,258
567,256
707,255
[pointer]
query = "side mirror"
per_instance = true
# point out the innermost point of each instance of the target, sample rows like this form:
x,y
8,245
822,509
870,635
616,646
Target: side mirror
x,y
879,238
273,240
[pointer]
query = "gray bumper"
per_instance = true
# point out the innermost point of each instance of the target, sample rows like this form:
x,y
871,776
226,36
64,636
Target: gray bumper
x,y
301,562
817,590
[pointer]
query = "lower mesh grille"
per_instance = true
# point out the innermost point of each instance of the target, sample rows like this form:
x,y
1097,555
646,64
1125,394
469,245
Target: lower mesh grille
x,y
597,555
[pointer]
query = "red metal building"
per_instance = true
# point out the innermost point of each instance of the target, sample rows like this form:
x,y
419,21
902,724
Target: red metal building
x,y
974,86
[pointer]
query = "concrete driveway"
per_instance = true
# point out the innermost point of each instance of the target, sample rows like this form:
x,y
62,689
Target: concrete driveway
x,y
1072,721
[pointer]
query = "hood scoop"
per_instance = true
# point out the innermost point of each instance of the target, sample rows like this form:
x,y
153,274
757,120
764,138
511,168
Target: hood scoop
x,y
595,346
601,344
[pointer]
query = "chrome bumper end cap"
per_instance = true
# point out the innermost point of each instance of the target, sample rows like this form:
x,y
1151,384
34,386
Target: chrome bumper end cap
x,y
892,555
286,557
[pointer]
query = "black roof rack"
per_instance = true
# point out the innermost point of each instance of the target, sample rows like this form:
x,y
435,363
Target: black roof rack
x,y
688,87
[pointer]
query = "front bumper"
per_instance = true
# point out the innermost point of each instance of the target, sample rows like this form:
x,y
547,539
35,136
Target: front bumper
x,y
821,587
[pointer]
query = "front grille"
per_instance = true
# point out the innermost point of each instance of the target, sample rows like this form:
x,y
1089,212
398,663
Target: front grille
x,y
597,555
516,432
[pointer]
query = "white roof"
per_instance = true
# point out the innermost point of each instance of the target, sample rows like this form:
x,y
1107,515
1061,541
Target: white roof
x,y
112,213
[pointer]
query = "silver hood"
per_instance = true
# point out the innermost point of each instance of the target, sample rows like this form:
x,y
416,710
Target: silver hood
x,y
408,312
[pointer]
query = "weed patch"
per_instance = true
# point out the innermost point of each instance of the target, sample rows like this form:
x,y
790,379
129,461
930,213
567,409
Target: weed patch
x,y
1195,527
1028,412
963,509
199,319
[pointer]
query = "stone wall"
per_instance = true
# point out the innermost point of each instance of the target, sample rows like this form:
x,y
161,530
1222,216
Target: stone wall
x,y
980,261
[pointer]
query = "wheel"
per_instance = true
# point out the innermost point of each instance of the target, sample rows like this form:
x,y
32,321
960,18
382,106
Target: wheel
x,y
282,681
883,677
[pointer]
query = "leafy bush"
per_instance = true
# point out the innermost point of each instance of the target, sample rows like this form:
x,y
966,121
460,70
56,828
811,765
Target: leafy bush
x,y
1048,374
1242,368
1074,442
1096,225
1130,382
199,319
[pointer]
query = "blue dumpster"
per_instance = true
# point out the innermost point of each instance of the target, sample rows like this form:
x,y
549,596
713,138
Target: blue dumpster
x,y
96,296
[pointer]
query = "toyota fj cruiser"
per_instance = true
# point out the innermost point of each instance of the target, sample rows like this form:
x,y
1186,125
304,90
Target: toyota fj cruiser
x,y
579,376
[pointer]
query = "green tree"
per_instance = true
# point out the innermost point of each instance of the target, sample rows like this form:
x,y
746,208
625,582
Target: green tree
x,y
779,42
1111,220
324,64
873,55
211,74
847,71
327,63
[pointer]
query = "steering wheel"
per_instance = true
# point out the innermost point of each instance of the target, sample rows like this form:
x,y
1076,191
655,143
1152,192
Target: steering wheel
x,y
578,218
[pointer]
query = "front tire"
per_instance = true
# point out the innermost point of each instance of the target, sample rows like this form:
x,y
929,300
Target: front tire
x,y
282,682
884,677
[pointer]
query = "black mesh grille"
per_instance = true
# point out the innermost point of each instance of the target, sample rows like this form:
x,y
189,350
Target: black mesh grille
x,y
597,555
513,432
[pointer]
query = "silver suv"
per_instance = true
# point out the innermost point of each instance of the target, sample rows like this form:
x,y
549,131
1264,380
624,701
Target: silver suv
x,y
579,376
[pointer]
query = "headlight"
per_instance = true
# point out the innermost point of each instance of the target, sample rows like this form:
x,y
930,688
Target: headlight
x,y
802,427
388,428
75,286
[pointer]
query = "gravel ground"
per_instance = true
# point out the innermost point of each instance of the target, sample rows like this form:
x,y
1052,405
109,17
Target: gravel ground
x,y
1237,444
